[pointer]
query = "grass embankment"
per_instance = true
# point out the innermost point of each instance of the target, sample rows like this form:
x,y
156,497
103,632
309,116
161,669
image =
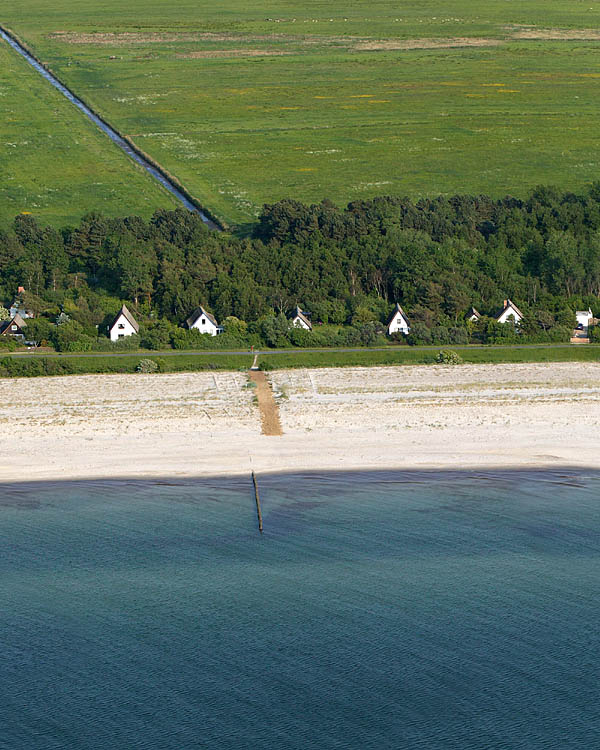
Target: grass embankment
x,y
77,365
73,364
245,106
56,164
422,356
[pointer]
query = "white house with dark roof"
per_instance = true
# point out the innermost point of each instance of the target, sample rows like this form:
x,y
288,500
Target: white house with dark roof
x,y
123,325
300,319
398,322
509,310
473,315
204,321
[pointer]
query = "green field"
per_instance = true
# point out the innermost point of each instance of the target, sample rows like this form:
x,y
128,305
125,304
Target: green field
x,y
248,104
54,163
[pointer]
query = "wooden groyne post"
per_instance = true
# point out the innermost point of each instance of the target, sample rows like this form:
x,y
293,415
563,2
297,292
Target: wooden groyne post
x,y
257,498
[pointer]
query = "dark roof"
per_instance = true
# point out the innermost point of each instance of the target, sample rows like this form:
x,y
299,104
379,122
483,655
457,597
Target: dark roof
x,y
197,313
473,312
302,315
397,309
128,316
509,304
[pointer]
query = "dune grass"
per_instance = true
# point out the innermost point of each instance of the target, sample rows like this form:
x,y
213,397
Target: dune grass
x,y
250,104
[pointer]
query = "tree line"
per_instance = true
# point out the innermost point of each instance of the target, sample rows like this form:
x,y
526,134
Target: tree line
x,y
346,266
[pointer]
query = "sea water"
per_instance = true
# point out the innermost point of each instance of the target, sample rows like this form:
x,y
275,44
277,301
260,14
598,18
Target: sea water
x,y
428,611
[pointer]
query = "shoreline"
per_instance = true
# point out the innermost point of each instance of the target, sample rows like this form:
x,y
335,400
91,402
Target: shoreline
x,y
561,475
206,425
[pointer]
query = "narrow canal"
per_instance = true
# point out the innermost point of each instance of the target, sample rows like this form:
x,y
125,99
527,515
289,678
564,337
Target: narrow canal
x,y
106,128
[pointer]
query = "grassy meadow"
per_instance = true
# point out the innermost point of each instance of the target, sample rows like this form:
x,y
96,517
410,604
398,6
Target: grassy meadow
x,y
250,104
54,163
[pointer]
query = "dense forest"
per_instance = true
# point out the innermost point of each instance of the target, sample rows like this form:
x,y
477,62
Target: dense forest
x,y
347,267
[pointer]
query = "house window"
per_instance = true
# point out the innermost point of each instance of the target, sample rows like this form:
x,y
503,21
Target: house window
x,y
121,326
13,328
121,335
203,321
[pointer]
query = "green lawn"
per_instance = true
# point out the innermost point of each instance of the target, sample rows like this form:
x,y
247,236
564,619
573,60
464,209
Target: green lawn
x,y
246,110
54,163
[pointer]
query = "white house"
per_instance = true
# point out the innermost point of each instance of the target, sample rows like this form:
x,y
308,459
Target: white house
x,y
584,318
398,322
204,322
473,315
300,319
509,310
123,325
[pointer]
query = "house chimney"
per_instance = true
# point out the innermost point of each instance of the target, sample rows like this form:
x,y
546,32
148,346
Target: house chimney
x,y
20,289
505,303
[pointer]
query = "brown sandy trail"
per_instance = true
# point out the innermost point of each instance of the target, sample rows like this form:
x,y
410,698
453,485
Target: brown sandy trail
x,y
269,411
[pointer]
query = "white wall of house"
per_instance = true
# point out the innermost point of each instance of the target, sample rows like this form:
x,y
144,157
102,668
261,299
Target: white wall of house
x,y
584,317
299,323
507,314
204,325
121,328
398,324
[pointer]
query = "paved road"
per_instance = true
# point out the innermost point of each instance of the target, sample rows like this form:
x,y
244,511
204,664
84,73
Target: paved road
x,y
204,353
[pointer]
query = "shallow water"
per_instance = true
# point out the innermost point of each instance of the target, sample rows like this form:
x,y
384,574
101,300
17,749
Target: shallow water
x,y
376,611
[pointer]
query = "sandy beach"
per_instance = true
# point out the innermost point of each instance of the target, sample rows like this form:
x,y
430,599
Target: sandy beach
x,y
201,424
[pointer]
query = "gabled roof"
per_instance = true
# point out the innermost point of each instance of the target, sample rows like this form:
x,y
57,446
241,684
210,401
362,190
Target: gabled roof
x,y
128,317
197,313
16,320
397,309
509,305
473,313
298,314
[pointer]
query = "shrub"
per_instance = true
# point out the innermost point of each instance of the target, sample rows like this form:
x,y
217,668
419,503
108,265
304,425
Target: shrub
x,y
419,335
127,343
156,335
8,343
28,368
147,366
448,357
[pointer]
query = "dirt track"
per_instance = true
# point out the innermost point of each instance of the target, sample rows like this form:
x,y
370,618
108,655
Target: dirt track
x,y
269,411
